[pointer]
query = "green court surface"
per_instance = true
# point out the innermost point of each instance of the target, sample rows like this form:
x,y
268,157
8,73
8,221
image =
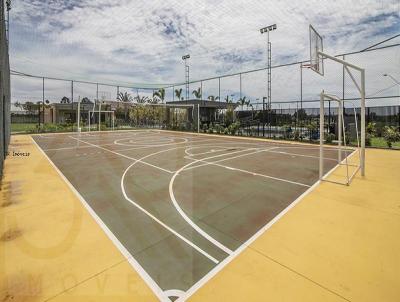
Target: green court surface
x,y
179,206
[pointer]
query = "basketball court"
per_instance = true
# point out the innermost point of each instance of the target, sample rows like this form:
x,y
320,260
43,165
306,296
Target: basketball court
x,y
181,204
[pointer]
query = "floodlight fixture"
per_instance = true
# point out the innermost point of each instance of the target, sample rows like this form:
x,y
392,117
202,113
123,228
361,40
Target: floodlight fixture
x,y
393,78
185,57
8,4
268,28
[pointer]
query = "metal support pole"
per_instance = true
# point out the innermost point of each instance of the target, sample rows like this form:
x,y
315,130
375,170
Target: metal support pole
x,y
173,93
321,136
198,118
117,91
339,127
240,85
72,95
269,68
219,89
362,123
301,87
263,131
43,100
79,114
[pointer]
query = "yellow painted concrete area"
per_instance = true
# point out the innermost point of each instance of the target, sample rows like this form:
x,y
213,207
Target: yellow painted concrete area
x,y
344,240
47,240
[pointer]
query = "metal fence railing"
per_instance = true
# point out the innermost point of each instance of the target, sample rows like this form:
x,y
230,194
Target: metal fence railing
x,y
5,104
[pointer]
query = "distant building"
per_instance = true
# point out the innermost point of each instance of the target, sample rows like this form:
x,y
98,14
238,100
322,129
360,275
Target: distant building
x,y
210,111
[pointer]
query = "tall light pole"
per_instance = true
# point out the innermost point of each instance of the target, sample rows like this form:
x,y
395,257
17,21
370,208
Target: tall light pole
x,y
263,31
185,58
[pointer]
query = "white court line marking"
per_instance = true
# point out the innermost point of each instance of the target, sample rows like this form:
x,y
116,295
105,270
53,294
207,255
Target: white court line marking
x,y
174,293
155,218
183,214
145,141
128,157
246,244
301,155
229,158
75,147
136,266
202,153
255,173
151,146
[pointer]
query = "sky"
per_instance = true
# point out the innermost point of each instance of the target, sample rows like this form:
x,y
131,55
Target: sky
x,y
140,43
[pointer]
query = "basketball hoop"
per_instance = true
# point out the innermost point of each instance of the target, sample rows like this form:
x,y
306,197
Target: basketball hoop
x,y
306,65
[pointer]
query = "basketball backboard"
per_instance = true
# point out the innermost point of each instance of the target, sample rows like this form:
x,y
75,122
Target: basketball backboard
x,y
316,47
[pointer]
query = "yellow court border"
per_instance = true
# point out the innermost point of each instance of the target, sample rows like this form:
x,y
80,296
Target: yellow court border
x,y
339,243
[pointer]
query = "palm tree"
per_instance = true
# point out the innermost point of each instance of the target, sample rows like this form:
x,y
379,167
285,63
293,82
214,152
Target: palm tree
x,y
242,101
178,93
65,100
160,95
125,98
85,100
247,104
197,93
213,98
228,100
252,108
141,99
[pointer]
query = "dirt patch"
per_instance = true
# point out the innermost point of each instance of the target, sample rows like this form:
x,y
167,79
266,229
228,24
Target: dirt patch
x,y
6,204
10,235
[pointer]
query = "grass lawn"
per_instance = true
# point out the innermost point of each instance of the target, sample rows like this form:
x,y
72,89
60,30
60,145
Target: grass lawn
x,y
23,127
381,143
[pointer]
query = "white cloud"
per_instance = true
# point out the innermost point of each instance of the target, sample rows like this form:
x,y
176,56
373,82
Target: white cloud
x,y
143,41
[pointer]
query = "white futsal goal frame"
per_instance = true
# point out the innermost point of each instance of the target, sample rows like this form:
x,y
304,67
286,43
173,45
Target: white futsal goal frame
x,y
317,57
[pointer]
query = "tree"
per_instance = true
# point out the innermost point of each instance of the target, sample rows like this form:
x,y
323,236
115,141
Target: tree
x,y
160,95
391,135
125,98
85,100
30,107
242,101
252,109
213,98
141,99
197,93
227,99
178,93
65,100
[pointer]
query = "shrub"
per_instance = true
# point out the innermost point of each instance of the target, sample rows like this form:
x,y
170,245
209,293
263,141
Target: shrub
x,y
218,129
391,135
233,128
368,137
329,138
210,130
371,128
347,137
226,131
297,135
205,127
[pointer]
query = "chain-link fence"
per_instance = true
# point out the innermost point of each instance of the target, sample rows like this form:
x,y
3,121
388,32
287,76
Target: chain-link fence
x,y
294,105
4,89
